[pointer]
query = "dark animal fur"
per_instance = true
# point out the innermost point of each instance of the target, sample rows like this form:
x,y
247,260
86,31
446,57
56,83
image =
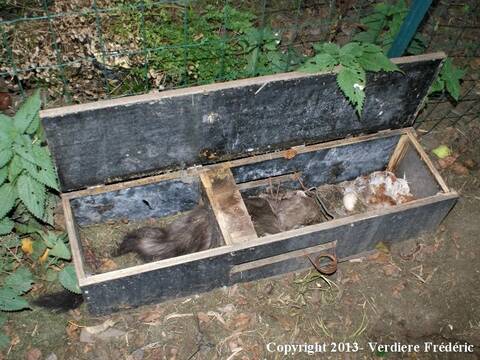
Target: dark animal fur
x,y
189,233
61,301
274,213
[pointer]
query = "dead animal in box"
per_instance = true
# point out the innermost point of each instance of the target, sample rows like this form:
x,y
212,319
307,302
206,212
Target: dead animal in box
x,y
377,190
188,233
274,213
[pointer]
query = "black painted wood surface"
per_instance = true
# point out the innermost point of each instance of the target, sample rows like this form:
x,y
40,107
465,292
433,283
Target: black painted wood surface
x,y
325,166
110,144
155,200
212,272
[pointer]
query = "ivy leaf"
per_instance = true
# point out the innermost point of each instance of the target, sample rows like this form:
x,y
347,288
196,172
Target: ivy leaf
x,y
6,226
27,112
452,76
68,279
20,281
352,82
5,156
60,250
45,175
3,174
8,196
320,62
32,194
10,301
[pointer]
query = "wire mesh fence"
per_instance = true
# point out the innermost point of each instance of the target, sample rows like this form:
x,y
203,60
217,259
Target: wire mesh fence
x,y
85,50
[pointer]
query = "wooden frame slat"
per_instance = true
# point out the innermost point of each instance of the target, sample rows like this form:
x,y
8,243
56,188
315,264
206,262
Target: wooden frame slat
x,y
282,257
74,239
228,206
116,274
398,153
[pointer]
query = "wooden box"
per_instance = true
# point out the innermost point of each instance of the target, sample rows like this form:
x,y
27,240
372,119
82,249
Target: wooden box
x,y
155,155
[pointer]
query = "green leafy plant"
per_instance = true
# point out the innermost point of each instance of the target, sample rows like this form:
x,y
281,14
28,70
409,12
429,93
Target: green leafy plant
x,y
354,60
14,285
383,24
262,47
448,79
221,43
28,193
28,182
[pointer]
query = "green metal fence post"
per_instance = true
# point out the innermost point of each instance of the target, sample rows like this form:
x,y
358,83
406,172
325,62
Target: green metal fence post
x,y
415,15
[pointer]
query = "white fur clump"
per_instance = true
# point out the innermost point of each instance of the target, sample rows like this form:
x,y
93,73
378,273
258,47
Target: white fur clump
x,y
350,200
370,190
394,187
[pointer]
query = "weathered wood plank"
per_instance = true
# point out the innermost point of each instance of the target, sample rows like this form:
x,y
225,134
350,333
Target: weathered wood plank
x,y
111,142
256,264
325,165
228,206
154,200
205,271
398,153
74,239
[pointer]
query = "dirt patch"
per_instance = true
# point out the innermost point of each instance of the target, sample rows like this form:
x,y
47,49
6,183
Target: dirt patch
x,y
422,290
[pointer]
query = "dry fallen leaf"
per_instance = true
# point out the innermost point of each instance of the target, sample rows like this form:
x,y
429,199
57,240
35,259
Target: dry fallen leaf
x,y
44,257
242,321
33,354
27,245
289,154
470,164
5,101
72,331
456,239
151,316
459,169
203,317
108,264
390,270
398,289
447,161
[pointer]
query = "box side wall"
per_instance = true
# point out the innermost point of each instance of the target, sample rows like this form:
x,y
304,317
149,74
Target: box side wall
x,y
421,181
138,203
104,145
209,273
331,165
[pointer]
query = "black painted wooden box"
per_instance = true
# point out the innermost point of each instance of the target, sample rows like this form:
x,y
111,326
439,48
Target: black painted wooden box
x,y
155,155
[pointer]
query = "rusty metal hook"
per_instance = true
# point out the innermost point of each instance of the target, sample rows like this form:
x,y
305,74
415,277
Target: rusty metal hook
x,y
327,269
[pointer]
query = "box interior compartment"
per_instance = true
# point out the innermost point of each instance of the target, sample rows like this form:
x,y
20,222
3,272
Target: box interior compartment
x,y
333,165
103,219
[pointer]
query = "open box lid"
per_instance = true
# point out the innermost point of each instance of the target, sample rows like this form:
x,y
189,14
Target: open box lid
x,y
122,139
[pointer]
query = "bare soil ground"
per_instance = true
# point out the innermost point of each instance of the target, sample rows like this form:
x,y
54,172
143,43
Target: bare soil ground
x,y
422,290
